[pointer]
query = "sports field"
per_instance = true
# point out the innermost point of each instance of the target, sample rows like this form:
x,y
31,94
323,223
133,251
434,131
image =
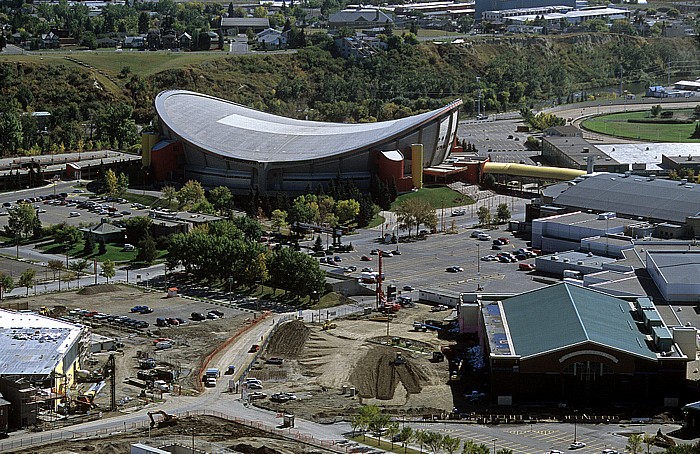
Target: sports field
x,y
617,125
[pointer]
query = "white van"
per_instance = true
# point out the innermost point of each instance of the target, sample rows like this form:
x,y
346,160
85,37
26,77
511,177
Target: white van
x,y
129,247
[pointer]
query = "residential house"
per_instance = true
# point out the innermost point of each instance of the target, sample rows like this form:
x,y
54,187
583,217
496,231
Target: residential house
x,y
238,44
134,42
359,46
214,40
107,42
49,40
359,18
185,41
271,39
170,41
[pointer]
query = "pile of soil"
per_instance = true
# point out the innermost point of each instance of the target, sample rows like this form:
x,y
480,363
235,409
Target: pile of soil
x,y
289,339
378,374
100,288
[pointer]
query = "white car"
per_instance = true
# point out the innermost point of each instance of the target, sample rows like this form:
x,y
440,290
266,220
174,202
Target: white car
x,y
483,237
476,233
577,445
459,212
74,214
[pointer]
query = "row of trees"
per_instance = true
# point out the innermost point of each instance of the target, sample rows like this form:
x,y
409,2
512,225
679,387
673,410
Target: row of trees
x,y
229,250
370,418
486,218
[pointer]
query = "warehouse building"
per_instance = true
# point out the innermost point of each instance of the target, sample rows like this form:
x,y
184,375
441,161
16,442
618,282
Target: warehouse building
x,y
573,345
39,357
674,206
566,231
221,143
578,153
676,274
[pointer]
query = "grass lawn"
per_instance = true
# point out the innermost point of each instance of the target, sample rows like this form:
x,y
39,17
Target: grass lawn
x,y
617,125
113,252
385,445
111,62
378,220
437,197
149,200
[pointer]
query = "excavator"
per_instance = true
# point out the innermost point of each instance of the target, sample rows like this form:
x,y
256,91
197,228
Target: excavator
x,y
168,419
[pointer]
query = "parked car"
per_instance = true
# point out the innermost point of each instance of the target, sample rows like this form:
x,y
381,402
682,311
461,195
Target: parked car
x,y
197,316
483,237
364,258
454,269
217,312
577,445
254,348
254,385
257,395
409,288
526,266
142,309
74,214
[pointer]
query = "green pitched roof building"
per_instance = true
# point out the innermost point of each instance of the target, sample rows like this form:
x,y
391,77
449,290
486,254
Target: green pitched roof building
x,y
570,344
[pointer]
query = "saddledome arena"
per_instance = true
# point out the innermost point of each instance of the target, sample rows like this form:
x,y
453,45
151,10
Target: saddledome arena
x,y
221,143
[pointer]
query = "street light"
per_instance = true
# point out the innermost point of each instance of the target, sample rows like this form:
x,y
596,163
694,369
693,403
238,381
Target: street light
x,y
494,445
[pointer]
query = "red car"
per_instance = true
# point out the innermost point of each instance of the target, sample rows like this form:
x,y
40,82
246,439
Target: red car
x,y
366,259
526,266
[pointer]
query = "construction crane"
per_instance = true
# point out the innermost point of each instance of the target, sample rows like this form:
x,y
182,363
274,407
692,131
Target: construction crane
x,y
168,419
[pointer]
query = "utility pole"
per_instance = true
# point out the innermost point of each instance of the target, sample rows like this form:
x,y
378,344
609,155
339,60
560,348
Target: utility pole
x,y
668,82
478,98
620,79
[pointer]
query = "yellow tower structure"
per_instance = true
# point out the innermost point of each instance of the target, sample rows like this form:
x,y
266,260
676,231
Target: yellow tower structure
x,y
417,165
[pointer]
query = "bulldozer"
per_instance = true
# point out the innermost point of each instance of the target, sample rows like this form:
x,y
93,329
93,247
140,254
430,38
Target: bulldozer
x,y
168,419
328,325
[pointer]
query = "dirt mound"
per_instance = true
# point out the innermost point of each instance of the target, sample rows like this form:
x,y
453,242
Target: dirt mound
x,y
100,288
378,374
289,339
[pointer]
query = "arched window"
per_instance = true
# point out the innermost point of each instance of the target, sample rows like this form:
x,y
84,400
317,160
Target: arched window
x,y
588,370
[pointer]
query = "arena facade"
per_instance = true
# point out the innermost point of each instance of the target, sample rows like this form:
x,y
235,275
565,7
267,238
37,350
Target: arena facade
x,y
221,143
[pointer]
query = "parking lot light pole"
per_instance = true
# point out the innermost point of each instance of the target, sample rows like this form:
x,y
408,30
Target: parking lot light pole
x,y
494,445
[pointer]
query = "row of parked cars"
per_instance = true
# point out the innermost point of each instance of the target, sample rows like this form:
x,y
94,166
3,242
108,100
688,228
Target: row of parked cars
x,y
116,320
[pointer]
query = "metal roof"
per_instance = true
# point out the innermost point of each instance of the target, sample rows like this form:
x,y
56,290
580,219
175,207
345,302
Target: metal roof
x,y
677,267
238,132
649,198
564,315
31,344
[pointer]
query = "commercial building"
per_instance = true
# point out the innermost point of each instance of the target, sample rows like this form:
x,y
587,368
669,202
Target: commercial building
x,y
578,153
573,345
39,357
673,205
221,143
566,231
360,17
561,19
676,274
498,5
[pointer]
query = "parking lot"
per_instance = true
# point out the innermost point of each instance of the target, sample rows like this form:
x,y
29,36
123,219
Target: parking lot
x,y
424,260
75,208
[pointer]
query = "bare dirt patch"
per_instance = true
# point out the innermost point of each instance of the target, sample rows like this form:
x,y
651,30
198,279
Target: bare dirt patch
x,y
379,372
356,354
289,339
97,289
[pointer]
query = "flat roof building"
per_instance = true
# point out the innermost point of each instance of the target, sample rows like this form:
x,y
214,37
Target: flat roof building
x,y
576,153
676,274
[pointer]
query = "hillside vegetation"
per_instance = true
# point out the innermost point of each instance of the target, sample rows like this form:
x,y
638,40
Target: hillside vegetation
x,y
314,83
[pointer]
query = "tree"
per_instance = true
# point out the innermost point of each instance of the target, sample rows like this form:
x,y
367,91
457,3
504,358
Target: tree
x,y
656,110
56,266
318,244
67,235
11,134
222,198
347,210
451,444
634,443
22,222
484,216
359,422
89,245
434,441
296,272
111,183
169,193
6,284
502,212
648,441
147,249
392,429
420,436
190,194
405,437
279,219
108,269
27,279
137,228
79,266
252,229
122,184
414,212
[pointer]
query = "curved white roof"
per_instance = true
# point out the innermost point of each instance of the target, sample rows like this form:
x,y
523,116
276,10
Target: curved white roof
x,y
238,132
